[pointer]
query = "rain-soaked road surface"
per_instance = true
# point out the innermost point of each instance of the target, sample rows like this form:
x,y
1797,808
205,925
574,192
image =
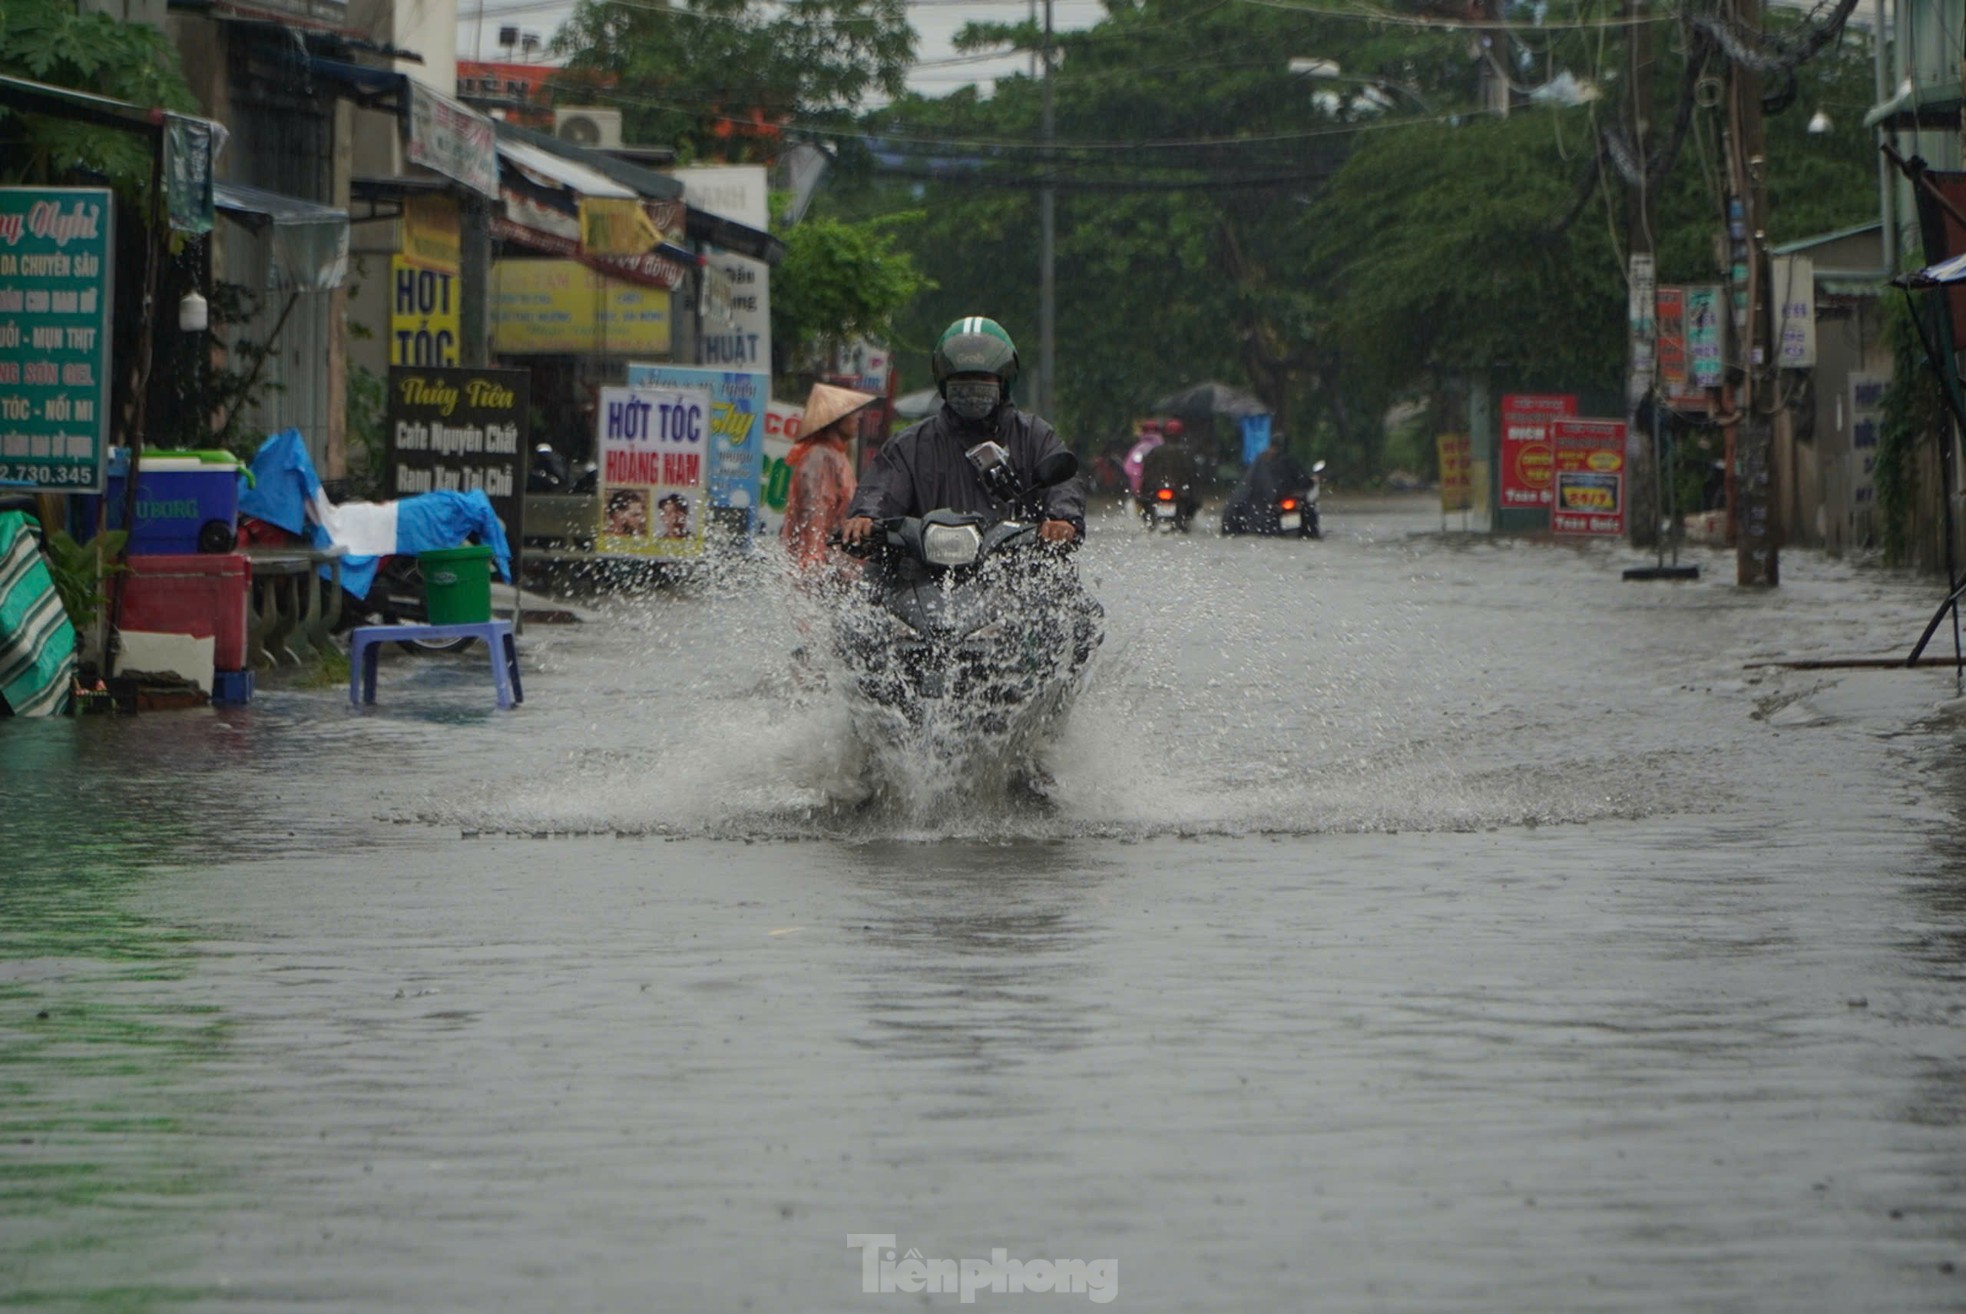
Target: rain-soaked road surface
x,y
1424,924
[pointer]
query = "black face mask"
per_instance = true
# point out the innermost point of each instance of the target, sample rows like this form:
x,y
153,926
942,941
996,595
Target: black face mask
x,y
974,400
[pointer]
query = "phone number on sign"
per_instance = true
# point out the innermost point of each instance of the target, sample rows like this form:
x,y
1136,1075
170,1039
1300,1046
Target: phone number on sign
x,y
48,475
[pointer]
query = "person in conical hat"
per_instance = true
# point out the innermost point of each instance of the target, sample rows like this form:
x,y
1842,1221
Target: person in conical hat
x,y
822,477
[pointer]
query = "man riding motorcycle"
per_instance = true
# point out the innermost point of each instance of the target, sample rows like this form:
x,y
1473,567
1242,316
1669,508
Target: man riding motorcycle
x,y
925,467
1274,473
1171,466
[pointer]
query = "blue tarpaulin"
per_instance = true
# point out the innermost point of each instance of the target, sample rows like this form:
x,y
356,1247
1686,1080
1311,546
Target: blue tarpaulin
x,y
286,492
1255,436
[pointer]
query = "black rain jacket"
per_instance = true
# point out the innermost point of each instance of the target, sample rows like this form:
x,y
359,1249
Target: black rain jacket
x,y
1271,476
923,468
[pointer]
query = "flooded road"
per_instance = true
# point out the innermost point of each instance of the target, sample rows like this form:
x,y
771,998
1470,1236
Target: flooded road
x,y
1421,923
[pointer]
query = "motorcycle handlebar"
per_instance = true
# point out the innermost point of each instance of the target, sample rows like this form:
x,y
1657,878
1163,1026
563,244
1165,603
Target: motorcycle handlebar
x,y
868,546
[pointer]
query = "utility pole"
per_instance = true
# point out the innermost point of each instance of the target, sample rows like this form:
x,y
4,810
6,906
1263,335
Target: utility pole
x,y
1492,80
1047,247
1756,533
1641,460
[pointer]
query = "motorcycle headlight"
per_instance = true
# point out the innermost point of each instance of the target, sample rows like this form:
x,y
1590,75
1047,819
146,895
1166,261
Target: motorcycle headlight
x,y
950,545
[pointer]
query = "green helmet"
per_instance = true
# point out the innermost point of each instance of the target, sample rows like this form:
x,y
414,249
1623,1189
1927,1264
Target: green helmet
x,y
974,345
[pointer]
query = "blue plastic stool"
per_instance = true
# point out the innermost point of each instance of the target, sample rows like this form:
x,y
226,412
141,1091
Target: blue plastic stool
x,y
365,640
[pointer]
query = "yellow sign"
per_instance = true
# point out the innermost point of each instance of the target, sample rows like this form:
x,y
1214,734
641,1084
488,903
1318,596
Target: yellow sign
x,y
430,232
616,227
562,307
1456,472
423,314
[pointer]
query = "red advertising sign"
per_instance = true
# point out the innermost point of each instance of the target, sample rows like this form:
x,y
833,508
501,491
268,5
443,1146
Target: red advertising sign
x,y
1671,343
1528,459
1675,359
1589,477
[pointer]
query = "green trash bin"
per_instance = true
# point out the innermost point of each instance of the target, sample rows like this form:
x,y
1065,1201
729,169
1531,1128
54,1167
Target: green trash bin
x,y
457,584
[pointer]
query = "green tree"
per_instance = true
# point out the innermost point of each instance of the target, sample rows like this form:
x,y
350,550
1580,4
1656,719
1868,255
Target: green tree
x,y
48,41
1339,242
719,79
1440,249
839,281
1186,153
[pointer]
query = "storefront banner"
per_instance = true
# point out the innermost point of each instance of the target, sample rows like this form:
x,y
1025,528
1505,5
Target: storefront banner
x,y
1456,471
609,226
455,141
430,233
1866,422
459,430
423,315
1703,330
1672,338
671,219
57,253
1589,476
867,366
737,425
506,229
782,420
654,445
650,270
745,342
1794,298
561,307
1526,454
738,192
191,148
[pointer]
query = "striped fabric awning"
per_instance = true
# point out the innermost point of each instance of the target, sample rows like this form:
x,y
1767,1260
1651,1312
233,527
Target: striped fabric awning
x,y
37,644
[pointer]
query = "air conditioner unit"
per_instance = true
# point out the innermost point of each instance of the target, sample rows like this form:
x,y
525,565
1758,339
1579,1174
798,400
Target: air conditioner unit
x,y
598,128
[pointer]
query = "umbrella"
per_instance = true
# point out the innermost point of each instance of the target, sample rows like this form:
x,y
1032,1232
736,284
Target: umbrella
x,y
914,405
1211,399
1946,271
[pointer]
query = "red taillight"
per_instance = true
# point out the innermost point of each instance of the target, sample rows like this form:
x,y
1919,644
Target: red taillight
x,y
1165,494
1289,504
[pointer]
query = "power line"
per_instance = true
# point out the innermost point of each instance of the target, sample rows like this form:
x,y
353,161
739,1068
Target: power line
x,y
1463,24
1011,144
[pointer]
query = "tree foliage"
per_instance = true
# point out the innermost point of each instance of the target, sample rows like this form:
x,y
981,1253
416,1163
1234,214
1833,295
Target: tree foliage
x,y
839,281
719,79
48,41
1334,238
1337,242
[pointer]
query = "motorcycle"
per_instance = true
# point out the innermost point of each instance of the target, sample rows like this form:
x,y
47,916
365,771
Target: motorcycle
x,y
1164,506
969,634
1292,512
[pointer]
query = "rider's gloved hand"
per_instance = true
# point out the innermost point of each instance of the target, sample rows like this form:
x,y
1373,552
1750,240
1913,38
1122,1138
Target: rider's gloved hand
x,y
1055,531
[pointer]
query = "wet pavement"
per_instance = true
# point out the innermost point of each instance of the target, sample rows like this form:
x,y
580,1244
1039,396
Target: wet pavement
x,y
1421,923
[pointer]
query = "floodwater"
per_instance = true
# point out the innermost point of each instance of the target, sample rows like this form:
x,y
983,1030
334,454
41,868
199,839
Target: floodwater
x,y
1420,923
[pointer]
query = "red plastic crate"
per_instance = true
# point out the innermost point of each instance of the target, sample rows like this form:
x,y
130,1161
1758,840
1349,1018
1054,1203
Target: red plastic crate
x,y
202,594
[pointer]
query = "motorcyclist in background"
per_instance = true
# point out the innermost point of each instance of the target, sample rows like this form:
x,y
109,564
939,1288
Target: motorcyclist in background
x,y
925,467
1273,473
1172,465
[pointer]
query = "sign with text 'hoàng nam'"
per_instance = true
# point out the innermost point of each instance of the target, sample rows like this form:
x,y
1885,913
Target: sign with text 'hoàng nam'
x,y
655,470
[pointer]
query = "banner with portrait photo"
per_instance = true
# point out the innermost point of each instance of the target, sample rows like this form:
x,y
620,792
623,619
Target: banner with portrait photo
x,y
655,471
